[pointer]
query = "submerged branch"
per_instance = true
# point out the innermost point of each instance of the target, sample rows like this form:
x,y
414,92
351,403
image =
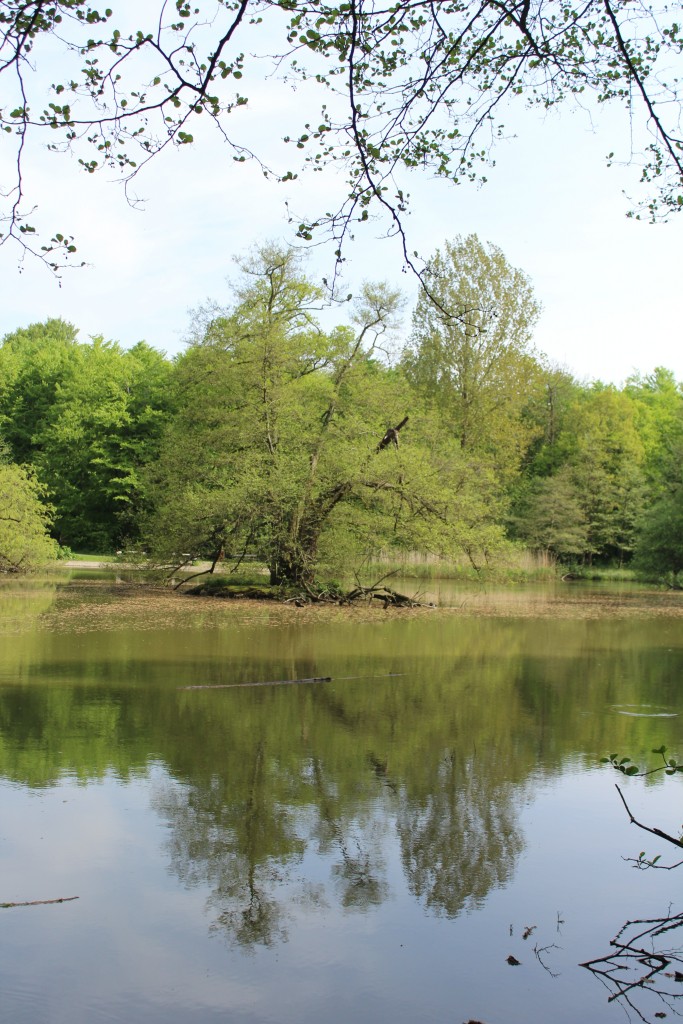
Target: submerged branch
x,y
265,682
38,903
286,682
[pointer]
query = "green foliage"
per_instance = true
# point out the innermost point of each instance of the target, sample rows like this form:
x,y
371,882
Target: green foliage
x,y
34,362
659,547
264,438
24,521
416,87
623,765
86,417
587,490
549,410
669,765
103,427
470,353
551,517
659,416
277,446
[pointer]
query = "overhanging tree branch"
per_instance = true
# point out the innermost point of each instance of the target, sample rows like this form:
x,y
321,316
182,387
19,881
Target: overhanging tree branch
x,y
414,86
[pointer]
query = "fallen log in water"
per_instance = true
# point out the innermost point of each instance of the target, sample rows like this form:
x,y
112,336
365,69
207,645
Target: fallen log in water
x,y
265,682
39,903
284,682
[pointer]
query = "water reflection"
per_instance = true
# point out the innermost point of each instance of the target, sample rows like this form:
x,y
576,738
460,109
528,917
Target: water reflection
x,y
460,838
392,803
245,830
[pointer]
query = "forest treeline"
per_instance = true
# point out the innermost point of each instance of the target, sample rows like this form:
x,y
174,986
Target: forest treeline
x,y
311,450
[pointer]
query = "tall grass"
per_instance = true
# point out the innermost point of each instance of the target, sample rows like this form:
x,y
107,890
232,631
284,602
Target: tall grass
x,y
512,564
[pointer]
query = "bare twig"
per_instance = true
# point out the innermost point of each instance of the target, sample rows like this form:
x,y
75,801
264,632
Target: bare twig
x,y
653,831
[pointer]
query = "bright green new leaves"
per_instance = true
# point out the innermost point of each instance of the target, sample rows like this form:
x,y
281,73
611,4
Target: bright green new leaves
x,y
25,543
33,361
276,450
470,352
86,417
390,89
104,426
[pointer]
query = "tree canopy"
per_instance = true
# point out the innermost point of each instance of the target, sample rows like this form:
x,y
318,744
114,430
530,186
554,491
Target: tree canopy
x,y
318,451
382,89
86,416
289,442
24,521
470,350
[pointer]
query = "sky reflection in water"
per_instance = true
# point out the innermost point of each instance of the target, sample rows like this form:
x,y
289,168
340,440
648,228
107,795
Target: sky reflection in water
x,y
373,849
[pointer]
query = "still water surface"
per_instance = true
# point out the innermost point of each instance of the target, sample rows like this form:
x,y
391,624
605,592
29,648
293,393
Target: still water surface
x,y
370,848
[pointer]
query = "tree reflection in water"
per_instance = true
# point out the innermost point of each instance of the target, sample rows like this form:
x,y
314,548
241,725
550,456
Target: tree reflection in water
x,y
457,837
643,970
236,840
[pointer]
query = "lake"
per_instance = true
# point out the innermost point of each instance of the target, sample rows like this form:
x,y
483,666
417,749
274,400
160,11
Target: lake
x,y
423,834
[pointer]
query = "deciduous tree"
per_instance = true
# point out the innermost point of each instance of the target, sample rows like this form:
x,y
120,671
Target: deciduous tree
x,y
103,427
287,437
86,416
470,352
25,543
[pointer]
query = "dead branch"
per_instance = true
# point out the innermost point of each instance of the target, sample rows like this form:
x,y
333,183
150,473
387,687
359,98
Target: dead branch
x,y
288,682
636,963
269,682
391,436
39,903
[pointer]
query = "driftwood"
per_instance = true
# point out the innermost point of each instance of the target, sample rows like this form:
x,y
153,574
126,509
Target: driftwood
x,y
388,597
265,682
38,903
285,682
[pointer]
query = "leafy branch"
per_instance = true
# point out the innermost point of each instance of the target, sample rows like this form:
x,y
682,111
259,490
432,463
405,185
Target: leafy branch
x,y
670,766
412,86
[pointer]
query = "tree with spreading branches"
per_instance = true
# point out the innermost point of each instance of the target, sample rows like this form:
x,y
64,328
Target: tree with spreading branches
x,y
300,448
383,88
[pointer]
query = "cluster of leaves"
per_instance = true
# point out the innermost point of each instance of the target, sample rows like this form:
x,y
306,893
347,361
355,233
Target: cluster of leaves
x,y
409,86
626,766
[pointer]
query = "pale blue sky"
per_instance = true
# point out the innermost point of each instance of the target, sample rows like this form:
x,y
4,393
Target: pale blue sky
x,y
610,287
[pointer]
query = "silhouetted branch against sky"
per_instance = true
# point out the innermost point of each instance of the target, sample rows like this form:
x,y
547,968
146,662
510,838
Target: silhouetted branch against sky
x,y
413,85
